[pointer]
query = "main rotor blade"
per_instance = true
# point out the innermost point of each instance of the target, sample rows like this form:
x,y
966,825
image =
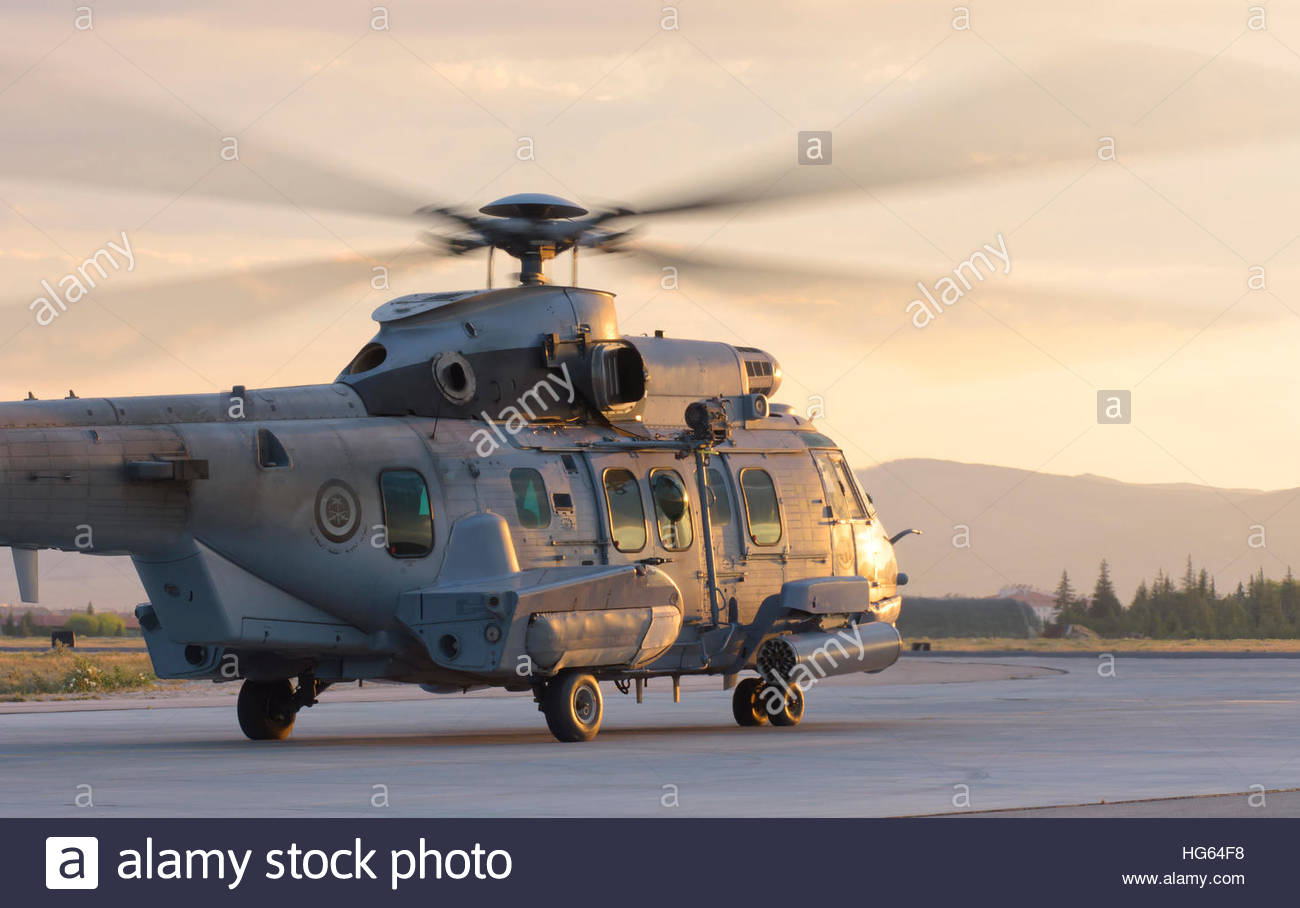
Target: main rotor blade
x,y
1015,121
885,294
195,307
60,132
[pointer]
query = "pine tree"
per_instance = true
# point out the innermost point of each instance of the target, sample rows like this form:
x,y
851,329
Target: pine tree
x,y
1231,618
1138,617
1067,611
1271,623
90,608
1290,596
11,628
1106,609
1064,592
1254,601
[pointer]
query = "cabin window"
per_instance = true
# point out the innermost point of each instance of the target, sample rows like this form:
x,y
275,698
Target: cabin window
x,y
408,518
761,507
672,510
530,498
715,486
626,513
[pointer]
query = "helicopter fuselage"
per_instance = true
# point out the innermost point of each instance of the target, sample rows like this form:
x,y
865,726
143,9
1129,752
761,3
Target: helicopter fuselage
x,y
496,510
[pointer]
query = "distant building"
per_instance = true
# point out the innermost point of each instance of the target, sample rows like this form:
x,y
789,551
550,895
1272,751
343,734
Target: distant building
x,y
1043,604
41,617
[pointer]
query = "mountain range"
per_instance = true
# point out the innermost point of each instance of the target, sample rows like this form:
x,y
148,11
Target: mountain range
x,y
988,527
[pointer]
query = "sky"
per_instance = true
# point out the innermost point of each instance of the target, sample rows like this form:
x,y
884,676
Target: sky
x,y
1171,272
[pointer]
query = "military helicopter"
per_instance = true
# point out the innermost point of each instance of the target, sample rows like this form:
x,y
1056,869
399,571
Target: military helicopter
x,y
500,489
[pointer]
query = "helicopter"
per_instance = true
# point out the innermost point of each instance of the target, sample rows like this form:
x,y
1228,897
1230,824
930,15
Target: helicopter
x,y
500,489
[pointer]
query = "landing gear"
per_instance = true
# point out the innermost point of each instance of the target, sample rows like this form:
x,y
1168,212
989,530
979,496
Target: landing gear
x,y
757,702
787,710
266,710
573,706
747,703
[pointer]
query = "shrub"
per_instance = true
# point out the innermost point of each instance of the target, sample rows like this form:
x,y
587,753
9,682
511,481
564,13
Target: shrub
x,y
110,625
103,625
87,677
83,625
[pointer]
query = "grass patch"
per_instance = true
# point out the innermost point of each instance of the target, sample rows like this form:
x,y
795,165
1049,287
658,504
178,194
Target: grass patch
x,y
43,643
64,672
1102,645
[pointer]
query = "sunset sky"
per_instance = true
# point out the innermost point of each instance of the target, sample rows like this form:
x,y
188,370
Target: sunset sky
x,y
1127,274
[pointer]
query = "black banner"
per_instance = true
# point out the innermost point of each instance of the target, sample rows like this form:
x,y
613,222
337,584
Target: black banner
x,y
756,862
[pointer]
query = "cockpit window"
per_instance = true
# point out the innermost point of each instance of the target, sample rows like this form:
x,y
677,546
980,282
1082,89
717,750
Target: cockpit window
x,y
841,493
816,440
408,518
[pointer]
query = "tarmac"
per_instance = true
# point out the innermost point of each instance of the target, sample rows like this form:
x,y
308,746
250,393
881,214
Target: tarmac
x,y
1040,735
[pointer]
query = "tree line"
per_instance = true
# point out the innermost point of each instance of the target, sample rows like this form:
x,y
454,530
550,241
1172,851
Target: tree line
x,y
88,624
1188,607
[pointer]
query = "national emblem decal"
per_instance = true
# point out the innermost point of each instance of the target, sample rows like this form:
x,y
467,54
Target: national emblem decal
x,y
338,511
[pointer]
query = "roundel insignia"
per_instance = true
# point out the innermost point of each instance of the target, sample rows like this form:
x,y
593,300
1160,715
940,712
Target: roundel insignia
x,y
338,511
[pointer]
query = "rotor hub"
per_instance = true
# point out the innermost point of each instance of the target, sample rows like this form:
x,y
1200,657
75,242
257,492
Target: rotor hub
x,y
534,206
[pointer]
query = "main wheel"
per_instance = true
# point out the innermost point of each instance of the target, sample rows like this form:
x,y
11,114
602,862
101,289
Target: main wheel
x,y
266,710
573,706
746,704
791,709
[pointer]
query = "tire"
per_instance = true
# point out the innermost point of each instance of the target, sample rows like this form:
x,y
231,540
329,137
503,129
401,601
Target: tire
x,y
792,709
265,709
573,706
746,704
